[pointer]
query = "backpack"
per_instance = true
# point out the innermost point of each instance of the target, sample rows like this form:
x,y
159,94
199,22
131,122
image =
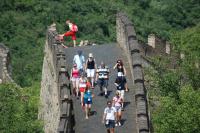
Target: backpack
x,y
74,28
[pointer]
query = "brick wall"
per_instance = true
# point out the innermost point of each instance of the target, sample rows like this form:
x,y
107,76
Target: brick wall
x,y
56,108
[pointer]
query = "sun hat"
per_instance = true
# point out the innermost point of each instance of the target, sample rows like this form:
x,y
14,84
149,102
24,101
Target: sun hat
x,y
90,55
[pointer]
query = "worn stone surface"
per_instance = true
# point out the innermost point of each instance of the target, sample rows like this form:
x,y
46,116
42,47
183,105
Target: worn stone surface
x,y
109,54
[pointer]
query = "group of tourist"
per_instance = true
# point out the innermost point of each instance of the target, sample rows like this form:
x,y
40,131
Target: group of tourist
x,y
85,75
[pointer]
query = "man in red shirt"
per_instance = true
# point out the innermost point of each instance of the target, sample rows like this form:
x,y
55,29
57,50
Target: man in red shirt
x,y
72,32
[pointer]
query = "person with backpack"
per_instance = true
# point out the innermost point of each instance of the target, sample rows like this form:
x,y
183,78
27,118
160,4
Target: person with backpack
x,y
73,28
121,72
120,84
79,59
90,69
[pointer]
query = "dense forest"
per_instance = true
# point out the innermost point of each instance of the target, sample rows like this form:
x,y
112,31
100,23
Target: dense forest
x,y
174,93
23,29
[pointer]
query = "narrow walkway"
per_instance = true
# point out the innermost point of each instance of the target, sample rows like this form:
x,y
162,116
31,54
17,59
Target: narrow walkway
x,y
109,54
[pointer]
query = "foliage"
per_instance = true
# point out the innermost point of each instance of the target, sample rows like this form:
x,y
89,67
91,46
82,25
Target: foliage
x,y
18,113
23,25
177,89
188,42
182,116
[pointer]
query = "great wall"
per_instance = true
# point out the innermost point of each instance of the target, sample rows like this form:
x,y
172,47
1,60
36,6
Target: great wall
x,y
58,108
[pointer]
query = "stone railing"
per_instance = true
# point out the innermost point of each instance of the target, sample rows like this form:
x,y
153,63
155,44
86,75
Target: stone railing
x,y
126,38
56,108
157,47
5,73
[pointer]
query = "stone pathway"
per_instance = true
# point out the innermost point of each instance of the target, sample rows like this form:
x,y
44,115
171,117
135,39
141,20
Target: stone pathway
x,y
109,54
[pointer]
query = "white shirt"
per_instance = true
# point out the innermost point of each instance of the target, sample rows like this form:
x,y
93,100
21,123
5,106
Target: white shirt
x,y
79,60
119,74
70,26
110,113
103,73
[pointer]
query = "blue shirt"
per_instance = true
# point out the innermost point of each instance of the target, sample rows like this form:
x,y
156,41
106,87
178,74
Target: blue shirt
x,y
88,95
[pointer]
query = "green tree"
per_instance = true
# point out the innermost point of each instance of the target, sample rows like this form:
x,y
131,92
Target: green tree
x,y
182,116
18,113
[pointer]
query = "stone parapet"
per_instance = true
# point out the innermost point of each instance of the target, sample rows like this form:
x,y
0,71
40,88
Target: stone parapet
x,y
126,38
56,108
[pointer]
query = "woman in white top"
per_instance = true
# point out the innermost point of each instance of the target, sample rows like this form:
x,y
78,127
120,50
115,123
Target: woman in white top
x,y
82,86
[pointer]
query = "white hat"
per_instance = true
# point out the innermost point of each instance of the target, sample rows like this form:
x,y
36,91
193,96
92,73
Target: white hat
x,y
90,55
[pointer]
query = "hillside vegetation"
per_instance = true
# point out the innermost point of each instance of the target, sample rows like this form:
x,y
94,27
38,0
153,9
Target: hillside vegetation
x,y
177,90
23,29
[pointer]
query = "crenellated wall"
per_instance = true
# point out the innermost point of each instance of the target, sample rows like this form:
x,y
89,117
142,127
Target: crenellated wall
x,y
5,72
139,55
56,108
126,38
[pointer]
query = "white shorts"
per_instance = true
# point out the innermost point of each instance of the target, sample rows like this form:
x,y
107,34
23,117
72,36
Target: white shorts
x,y
121,93
90,72
75,80
118,108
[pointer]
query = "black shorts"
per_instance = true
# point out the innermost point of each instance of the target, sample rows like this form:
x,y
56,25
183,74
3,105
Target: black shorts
x,y
110,124
103,82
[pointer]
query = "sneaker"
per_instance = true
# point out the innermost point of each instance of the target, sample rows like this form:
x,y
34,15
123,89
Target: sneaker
x,y
119,124
86,117
106,96
101,94
116,124
127,90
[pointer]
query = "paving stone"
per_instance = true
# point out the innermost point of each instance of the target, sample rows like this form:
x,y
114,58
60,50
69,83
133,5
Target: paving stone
x,y
109,54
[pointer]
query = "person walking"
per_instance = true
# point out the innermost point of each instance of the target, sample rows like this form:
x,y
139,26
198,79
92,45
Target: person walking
x,y
79,59
82,87
102,77
109,117
75,75
120,84
90,68
117,103
72,32
88,101
121,71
